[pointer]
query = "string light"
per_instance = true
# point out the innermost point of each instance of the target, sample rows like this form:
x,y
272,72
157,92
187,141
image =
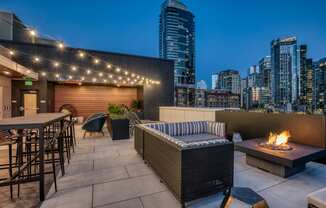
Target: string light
x,y
11,53
94,80
37,59
96,61
32,33
88,71
105,80
70,77
43,74
82,78
120,78
110,76
57,75
81,54
100,74
56,64
61,45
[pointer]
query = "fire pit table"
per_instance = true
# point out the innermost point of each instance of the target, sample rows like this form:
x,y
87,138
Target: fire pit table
x,y
283,163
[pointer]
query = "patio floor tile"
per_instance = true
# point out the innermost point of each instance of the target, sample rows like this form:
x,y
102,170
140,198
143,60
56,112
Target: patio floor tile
x,y
160,200
126,189
133,203
139,169
92,177
72,198
118,161
256,179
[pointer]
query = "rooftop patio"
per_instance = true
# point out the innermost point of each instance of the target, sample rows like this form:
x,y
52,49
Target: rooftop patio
x,y
106,173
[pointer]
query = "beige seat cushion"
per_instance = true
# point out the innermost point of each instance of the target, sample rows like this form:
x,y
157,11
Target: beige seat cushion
x,y
318,198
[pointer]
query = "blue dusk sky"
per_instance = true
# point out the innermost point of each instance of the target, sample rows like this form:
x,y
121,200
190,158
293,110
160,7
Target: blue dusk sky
x,y
229,33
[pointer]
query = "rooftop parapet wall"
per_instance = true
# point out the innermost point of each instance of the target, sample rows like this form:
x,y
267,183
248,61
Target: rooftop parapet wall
x,y
304,129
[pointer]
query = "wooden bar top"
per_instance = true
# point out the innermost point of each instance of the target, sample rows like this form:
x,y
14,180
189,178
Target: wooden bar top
x,y
35,121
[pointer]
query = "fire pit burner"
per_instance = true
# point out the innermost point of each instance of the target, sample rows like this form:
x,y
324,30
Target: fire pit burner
x,y
277,141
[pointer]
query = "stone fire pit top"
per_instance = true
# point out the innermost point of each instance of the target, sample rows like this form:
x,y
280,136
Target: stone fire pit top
x,y
298,155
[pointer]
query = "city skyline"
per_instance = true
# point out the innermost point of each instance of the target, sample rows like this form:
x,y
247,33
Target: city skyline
x,y
218,45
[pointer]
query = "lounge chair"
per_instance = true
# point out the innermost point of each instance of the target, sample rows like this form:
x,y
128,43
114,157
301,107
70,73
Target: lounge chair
x,y
94,123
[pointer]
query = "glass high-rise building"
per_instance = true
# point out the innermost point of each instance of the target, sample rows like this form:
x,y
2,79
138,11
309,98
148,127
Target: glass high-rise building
x,y
265,67
305,79
177,40
214,81
320,85
284,58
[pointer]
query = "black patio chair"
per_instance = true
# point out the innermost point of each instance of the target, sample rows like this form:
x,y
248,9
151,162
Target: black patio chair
x,y
94,123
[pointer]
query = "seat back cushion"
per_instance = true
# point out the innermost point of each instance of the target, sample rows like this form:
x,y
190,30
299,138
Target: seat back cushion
x,y
216,128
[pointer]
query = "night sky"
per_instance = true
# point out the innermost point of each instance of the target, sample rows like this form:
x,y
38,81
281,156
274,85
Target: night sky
x,y
229,33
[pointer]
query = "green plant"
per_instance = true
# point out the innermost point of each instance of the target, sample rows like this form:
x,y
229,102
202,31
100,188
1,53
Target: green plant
x,y
136,105
116,111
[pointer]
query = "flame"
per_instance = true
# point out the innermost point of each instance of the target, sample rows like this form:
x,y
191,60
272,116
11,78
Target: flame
x,y
279,139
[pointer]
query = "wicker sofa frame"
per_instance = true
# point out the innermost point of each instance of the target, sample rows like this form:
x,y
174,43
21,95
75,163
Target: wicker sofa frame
x,y
189,173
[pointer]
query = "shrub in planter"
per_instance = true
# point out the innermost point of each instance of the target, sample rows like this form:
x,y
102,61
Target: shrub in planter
x,y
117,123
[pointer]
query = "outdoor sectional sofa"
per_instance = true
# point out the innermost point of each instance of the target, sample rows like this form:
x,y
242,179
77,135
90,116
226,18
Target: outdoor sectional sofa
x,y
193,158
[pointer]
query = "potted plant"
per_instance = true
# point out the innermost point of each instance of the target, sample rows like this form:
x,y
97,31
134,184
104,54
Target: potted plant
x,y
117,123
136,106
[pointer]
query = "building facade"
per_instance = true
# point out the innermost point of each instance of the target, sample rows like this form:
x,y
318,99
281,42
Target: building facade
x,y
229,80
222,99
265,67
214,81
177,41
306,73
201,85
284,59
320,86
200,98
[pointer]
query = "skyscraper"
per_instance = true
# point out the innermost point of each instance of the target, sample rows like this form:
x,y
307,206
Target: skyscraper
x,y
229,80
320,85
284,71
265,67
305,79
177,40
254,79
214,81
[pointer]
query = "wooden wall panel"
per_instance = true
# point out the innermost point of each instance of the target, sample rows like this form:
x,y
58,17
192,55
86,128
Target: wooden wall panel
x,y
92,99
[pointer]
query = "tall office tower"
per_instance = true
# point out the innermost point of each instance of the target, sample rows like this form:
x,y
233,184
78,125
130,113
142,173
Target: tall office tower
x,y
284,71
244,102
265,67
254,79
214,81
229,80
320,86
177,41
305,79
